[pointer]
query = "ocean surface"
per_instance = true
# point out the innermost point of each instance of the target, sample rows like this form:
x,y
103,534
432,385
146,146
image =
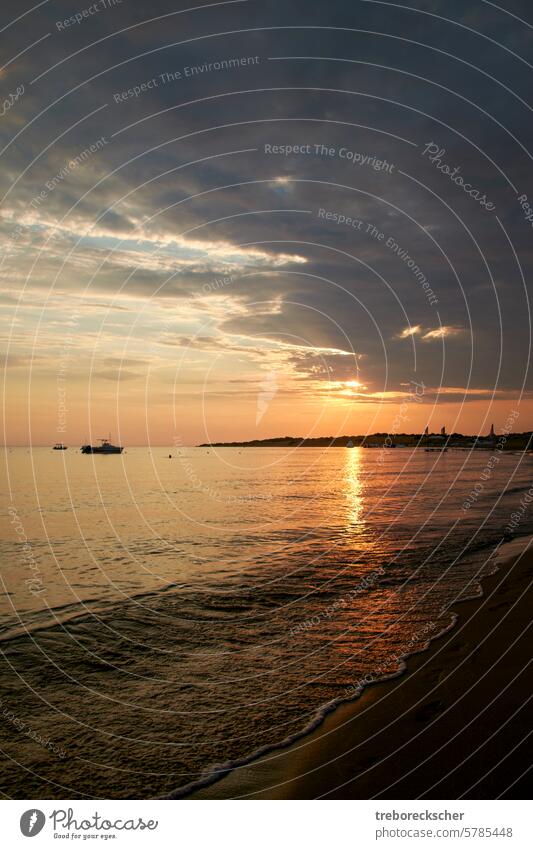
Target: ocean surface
x,y
162,617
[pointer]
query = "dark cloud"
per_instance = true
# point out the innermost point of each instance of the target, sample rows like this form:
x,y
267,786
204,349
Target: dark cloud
x,y
184,160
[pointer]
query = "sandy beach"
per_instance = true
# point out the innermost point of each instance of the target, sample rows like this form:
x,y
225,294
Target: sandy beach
x,y
454,725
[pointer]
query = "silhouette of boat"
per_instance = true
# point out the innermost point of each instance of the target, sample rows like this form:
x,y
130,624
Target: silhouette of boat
x,y
60,447
105,447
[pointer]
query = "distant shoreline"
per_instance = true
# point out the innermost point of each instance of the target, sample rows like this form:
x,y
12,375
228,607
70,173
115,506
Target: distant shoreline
x,y
511,441
505,442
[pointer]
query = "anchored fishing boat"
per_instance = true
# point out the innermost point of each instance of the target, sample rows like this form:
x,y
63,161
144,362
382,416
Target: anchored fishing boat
x,y
105,447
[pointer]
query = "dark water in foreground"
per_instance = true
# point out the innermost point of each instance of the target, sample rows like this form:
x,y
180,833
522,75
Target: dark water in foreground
x,y
161,616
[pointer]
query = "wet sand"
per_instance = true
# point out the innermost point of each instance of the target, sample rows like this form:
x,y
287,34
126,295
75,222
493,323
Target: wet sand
x,y
455,725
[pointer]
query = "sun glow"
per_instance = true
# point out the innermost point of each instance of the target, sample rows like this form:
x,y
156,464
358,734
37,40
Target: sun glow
x,y
354,489
350,387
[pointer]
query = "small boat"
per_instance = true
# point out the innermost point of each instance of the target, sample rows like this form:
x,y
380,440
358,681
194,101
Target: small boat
x,y
105,447
60,447
435,448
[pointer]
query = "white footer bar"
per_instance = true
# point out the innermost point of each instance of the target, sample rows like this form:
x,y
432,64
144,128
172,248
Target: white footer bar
x,y
267,824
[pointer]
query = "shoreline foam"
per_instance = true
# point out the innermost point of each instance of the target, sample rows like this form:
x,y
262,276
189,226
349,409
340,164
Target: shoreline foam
x,y
268,773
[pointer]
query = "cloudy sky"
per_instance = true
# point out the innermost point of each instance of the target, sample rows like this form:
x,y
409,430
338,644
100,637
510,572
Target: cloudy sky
x,y
242,219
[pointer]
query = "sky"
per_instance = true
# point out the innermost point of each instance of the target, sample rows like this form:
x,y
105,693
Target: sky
x,y
239,220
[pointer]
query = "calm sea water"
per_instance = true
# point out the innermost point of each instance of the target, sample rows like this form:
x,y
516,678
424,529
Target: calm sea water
x,y
161,616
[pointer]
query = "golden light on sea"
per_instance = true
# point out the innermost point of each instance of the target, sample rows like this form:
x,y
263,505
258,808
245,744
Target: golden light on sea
x,y
353,488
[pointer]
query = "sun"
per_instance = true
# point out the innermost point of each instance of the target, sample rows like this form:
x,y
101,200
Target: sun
x,y
349,388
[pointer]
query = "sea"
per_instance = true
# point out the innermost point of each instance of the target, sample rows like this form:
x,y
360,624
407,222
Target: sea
x,y
164,619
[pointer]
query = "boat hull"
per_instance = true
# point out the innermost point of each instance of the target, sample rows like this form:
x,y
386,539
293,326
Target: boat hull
x,y
98,449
